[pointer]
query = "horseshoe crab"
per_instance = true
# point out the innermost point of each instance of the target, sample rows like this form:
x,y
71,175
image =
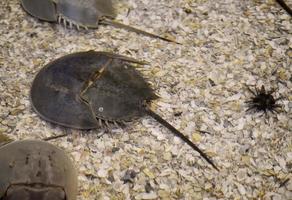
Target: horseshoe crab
x,y
80,13
36,170
87,89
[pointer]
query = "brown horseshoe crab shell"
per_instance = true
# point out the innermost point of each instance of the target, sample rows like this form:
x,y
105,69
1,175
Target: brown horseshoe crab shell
x,y
36,170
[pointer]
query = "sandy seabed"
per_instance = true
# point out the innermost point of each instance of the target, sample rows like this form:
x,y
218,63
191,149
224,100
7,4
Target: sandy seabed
x,y
226,45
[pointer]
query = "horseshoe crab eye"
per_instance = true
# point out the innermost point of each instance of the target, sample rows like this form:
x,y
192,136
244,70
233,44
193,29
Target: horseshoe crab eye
x,y
100,109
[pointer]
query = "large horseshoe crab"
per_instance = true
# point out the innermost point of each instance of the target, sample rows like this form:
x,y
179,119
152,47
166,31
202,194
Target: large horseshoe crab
x,y
80,13
87,89
36,170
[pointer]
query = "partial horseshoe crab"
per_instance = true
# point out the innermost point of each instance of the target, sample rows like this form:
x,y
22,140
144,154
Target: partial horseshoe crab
x,y
86,89
36,170
80,13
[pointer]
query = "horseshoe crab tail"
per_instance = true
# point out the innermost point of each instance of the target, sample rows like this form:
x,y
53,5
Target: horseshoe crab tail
x,y
180,135
130,28
285,6
55,137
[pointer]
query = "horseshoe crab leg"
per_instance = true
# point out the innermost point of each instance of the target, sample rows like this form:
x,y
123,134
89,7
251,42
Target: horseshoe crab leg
x,y
55,137
179,134
136,30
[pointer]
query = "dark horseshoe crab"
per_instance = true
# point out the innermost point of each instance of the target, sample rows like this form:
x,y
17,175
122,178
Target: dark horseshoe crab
x,y
86,89
36,170
79,13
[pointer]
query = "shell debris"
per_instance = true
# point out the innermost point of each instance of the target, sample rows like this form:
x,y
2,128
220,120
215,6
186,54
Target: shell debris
x,y
225,45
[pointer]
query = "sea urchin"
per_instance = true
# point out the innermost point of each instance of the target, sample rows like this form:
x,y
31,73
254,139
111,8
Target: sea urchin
x,y
263,101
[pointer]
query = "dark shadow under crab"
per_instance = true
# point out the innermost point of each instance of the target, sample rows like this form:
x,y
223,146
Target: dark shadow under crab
x,y
88,89
263,101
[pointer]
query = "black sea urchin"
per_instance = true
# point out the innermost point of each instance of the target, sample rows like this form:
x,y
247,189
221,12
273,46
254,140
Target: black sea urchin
x,y
263,101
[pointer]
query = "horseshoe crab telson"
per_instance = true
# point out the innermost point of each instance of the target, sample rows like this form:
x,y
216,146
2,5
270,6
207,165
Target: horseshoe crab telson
x,y
285,6
81,13
85,89
36,170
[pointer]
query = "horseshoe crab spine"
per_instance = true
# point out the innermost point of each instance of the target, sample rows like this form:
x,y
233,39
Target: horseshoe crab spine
x,y
285,6
179,134
136,30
